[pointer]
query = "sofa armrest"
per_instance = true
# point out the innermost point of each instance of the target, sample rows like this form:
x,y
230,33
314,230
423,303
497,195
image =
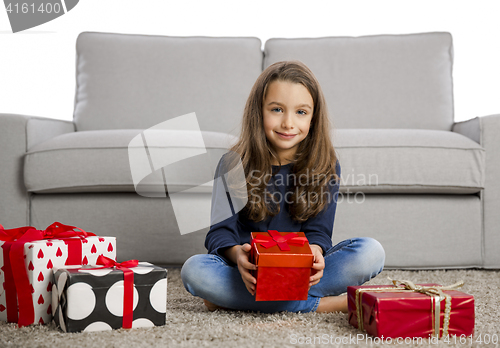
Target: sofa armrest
x,y
486,131
470,128
17,134
40,129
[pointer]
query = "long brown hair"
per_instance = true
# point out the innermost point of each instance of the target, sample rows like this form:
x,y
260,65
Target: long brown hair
x,y
315,158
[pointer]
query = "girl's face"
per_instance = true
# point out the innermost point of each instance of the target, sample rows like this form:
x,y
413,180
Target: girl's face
x,y
288,109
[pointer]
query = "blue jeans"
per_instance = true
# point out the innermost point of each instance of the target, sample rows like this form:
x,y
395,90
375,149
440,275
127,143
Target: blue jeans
x,y
350,262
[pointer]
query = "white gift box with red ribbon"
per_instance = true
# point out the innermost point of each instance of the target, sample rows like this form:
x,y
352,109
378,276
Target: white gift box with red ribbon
x,y
39,258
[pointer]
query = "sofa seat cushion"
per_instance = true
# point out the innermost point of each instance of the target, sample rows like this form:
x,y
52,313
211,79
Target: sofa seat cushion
x,y
409,161
98,161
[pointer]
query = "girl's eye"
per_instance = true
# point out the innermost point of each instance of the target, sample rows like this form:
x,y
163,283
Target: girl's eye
x,y
301,112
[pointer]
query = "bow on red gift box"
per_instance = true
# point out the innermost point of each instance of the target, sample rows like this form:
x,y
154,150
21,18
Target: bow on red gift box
x,y
282,241
16,276
128,285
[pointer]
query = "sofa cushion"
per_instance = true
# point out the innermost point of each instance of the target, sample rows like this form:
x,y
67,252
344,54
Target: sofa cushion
x,y
409,161
98,161
378,81
137,81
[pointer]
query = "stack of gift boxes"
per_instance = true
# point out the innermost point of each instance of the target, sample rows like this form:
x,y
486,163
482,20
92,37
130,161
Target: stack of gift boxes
x,y
71,276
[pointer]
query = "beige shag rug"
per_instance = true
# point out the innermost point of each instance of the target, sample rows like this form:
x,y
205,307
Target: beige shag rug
x,y
189,324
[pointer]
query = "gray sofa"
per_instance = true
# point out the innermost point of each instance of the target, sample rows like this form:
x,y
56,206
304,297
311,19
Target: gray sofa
x,y
424,186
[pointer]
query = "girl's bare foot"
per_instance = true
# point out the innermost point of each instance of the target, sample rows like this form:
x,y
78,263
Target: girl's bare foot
x,y
331,304
211,307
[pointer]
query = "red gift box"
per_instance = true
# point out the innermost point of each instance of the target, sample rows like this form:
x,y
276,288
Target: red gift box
x,y
421,310
284,261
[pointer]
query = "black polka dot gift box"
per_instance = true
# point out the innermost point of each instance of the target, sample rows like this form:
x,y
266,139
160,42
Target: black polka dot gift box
x,y
130,294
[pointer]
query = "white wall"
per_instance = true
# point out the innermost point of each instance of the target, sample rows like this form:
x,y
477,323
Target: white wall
x,y
37,66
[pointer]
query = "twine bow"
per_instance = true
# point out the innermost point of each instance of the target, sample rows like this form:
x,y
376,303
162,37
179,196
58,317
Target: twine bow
x,y
435,292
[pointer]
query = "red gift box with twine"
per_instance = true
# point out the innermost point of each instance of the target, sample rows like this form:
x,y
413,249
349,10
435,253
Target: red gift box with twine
x,y
411,310
284,261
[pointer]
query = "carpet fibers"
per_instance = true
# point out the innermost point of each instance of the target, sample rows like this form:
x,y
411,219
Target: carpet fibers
x,y
189,324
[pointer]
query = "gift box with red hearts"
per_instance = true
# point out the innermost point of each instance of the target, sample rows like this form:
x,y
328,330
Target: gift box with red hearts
x,y
284,261
26,267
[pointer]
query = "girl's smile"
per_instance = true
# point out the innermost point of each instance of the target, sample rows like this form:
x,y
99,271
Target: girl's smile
x,y
286,136
287,109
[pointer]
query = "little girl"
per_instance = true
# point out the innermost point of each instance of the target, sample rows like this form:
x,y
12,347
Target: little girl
x,y
292,178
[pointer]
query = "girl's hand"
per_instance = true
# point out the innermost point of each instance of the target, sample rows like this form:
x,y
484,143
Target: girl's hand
x,y
244,266
318,265
240,255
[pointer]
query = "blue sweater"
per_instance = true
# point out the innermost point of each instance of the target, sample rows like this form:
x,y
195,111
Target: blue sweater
x,y
236,229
